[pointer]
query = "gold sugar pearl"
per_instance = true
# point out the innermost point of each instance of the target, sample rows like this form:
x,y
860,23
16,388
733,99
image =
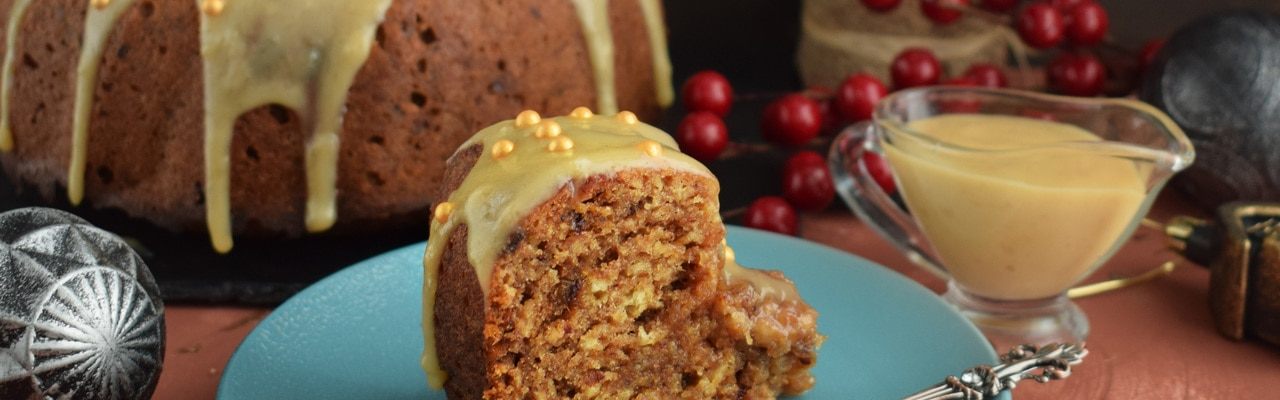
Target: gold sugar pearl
x,y
728,254
100,4
502,147
212,8
652,148
547,129
527,118
627,117
443,211
581,113
560,144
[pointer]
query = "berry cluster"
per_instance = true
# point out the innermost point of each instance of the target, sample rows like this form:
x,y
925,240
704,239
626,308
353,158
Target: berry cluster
x,y
1079,23
795,120
1074,25
790,121
917,66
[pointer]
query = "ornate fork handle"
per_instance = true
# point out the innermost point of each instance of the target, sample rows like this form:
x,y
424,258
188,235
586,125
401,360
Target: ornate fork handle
x,y
1043,364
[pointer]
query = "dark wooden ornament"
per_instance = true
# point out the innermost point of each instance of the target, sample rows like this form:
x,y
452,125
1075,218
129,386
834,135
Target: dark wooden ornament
x,y
1219,79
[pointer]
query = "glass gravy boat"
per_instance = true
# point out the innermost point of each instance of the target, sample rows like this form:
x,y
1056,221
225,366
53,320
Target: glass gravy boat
x,y
1014,222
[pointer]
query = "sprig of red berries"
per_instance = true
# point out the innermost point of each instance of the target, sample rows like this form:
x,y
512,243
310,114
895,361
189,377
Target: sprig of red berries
x,y
795,120
791,121
1074,26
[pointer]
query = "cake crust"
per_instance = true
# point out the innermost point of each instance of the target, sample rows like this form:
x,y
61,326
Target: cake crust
x,y
439,70
459,294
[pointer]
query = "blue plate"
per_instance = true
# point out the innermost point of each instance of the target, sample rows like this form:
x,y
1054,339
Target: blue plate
x,y
355,335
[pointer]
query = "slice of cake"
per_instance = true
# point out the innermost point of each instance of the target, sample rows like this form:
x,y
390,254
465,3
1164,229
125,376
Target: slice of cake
x,y
584,256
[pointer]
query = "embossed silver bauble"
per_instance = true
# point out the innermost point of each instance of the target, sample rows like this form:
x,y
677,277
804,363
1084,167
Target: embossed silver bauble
x,y
80,315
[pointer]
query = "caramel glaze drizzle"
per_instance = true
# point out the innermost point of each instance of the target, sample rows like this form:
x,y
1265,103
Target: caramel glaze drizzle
x,y
307,64
99,19
594,15
16,12
653,21
313,85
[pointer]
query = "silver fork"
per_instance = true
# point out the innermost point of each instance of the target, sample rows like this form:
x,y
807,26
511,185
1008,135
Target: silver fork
x,y
1042,364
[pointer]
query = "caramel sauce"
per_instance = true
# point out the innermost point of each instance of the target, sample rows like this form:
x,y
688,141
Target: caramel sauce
x,y
594,15
663,89
16,12
307,62
102,16
766,284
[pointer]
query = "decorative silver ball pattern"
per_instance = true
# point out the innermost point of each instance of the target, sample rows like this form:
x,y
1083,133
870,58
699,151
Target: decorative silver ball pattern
x,y
80,314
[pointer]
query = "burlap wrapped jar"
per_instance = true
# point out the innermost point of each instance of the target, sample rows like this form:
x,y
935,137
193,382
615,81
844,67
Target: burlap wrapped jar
x,y
841,37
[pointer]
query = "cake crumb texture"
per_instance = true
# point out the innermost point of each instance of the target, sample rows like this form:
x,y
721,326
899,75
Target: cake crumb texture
x,y
615,288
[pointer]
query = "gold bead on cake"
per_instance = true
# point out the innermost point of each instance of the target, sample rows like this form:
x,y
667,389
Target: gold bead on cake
x,y
581,113
502,147
652,148
560,144
547,129
212,8
443,210
527,118
627,117
100,4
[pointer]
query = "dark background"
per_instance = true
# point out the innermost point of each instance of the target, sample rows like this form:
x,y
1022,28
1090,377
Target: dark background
x,y
752,42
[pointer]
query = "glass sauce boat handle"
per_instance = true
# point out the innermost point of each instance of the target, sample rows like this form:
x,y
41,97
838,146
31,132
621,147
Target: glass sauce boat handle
x,y
869,201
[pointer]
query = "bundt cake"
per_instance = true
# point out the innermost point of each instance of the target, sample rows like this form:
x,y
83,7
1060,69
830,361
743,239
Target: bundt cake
x,y
583,256
266,117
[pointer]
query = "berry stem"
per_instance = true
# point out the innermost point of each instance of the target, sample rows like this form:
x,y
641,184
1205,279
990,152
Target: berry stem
x,y
733,213
762,95
989,16
1019,51
1109,43
736,149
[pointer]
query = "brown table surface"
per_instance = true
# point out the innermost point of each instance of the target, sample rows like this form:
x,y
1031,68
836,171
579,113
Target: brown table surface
x,y
1151,341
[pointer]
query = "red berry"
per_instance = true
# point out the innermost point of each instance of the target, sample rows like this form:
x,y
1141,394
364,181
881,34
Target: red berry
x,y
1040,25
999,6
1087,24
943,12
792,120
858,95
915,67
707,91
826,106
1147,55
702,135
1066,5
880,171
1077,75
806,181
987,75
771,213
881,5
